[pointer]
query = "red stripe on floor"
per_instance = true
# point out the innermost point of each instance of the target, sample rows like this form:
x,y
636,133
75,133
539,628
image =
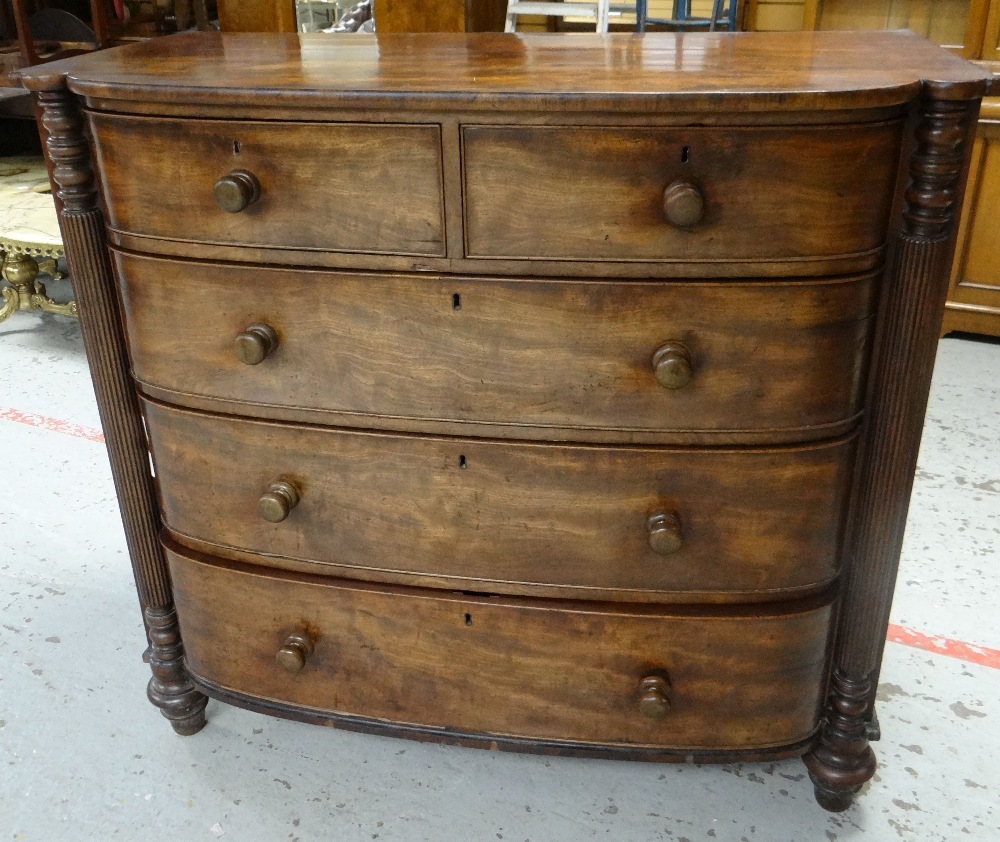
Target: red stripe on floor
x,y
958,649
53,425
945,646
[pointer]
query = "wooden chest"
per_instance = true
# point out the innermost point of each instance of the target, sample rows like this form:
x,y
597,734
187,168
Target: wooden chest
x,y
555,393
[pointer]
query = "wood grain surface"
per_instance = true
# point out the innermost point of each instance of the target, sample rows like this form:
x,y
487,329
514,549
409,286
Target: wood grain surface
x,y
507,667
536,355
774,71
523,482
506,517
346,187
597,193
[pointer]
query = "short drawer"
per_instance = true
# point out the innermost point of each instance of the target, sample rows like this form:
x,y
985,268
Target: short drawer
x,y
698,195
336,187
636,523
509,668
603,360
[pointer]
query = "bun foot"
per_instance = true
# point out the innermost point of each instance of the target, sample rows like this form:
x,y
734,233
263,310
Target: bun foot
x,y
842,761
836,801
190,724
171,688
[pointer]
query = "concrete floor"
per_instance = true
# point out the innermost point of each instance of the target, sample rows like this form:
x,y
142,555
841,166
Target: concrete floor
x,y
83,756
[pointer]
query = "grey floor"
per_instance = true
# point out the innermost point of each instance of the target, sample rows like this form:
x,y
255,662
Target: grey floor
x,y
83,756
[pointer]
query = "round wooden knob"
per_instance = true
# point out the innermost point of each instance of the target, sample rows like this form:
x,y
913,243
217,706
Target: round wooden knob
x,y
255,343
277,501
664,532
672,365
236,191
296,650
654,696
683,204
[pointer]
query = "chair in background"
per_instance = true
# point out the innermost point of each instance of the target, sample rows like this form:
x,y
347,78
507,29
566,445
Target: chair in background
x,y
61,33
723,16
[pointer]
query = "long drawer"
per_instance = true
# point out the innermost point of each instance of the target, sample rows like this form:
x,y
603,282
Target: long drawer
x,y
601,360
582,673
688,194
637,523
349,187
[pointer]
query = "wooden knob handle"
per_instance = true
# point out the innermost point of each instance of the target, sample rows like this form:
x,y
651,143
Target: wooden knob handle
x,y
277,501
664,532
296,650
237,191
683,204
255,343
672,365
654,696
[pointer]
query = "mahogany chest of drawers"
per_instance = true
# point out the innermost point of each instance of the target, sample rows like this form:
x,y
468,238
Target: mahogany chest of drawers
x,y
555,393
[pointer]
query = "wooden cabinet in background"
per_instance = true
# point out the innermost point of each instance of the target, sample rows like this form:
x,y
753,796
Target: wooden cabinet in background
x,y
440,16
959,25
974,295
970,28
257,15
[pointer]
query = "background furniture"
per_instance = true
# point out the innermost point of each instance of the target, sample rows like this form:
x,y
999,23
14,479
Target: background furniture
x,y
257,15
970,28
79,38
722,15
443,16
596,11
29,237
462,438
974,296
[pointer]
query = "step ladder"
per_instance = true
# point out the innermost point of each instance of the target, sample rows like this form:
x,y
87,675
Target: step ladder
x,y
595,10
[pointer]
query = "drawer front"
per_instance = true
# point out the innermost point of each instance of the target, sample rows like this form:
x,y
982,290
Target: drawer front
x,y
621,523
336,187
504,667
532,354
734,194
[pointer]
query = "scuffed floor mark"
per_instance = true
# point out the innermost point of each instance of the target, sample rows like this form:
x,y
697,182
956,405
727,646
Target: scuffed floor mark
x,y
905,805
903,830
915,749
887,691
973,784
963,712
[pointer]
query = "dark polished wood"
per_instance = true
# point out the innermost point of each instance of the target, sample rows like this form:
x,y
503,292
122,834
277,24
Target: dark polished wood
x,y
330,187
660,361
766,72
562,671
912,309
82,229
552,393
532,745
253,345
295,651
170,688
634,196
237,191
506,517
